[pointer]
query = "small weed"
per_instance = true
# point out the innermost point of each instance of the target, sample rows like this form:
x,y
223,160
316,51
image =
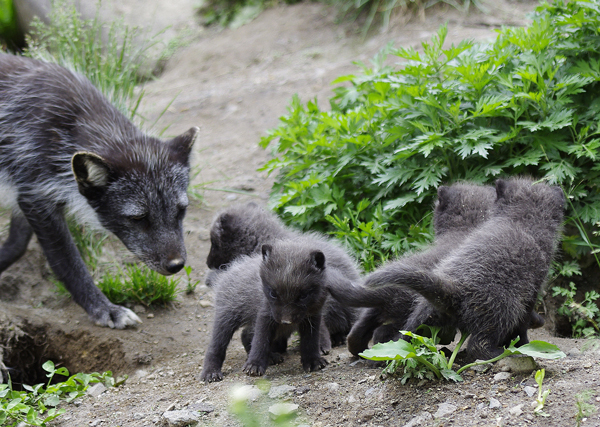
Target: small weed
x,y
584,315
421,357
584,409
139,285
190,286
36,405
542,395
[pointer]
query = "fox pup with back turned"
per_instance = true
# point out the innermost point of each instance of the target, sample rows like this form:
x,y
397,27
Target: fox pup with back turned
x,y
488,284
64,149
272,293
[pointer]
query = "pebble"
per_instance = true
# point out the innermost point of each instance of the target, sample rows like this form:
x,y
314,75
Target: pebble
x,y
516,410
279,391
502,376
150,316
495,403
573,352
419,419
96,390
201,407
139,309
480,368
93,423
530,391
205,303
180,418
517,364
444,409
351,399
282,410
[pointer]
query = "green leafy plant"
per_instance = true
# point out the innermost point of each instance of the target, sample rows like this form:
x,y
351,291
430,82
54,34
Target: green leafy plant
x,y
526,104
584,409
9,28
584,315
190,285
421,358
139,285
542,394
36,405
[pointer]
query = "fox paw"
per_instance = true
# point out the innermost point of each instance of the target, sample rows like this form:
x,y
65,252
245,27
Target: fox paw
x,y
211,376
314,364
254,369
115,317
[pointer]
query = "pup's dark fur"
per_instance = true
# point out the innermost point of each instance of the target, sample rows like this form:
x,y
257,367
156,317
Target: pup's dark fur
x,y
242,230
488,284
271,294
65,149
459,209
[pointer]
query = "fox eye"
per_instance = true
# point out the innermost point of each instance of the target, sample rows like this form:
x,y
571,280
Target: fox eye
x,y
138,218
272,294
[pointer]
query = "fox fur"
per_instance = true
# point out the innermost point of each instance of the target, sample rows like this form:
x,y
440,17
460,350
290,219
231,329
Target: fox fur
x,y
64,149
242,230
271,294
489,282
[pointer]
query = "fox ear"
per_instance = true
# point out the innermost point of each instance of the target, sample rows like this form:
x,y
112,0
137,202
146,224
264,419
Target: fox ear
x,y
266,251
91,172
501,186
318,259
443,196
181,146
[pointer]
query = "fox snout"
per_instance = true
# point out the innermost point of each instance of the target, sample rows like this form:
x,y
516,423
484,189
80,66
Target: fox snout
x,y
174,265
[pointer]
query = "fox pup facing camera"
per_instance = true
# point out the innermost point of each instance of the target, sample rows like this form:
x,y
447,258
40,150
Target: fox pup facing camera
x,y
64,149
270,294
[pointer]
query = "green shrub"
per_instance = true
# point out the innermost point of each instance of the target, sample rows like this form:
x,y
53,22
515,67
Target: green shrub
x,y
526,104
233,13
9,28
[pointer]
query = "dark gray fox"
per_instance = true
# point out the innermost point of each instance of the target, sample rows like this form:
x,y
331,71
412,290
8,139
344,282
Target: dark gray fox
x,y
242,230
488,283
271,294
65,149
458,210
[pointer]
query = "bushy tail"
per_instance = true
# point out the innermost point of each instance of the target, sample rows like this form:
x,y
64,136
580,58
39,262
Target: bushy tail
x,y
435,290
352,294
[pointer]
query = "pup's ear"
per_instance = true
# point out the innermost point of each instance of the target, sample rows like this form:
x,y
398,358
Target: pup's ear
x,y
91,173
318,259
501,186
266,251
181,146
443,195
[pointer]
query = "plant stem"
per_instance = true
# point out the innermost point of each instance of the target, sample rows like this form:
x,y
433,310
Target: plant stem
x,y
483,362
463,337
430,365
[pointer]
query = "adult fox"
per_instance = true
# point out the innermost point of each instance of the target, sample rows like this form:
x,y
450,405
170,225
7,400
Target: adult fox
x,y
65,149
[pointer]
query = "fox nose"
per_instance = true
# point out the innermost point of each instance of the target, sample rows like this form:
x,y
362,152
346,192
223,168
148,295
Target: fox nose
x,y
174,265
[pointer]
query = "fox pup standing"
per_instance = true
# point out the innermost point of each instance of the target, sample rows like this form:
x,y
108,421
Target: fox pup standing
x,y
65,149
271,294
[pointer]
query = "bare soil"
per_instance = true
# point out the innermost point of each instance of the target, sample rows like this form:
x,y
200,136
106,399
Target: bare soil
x,y
234,84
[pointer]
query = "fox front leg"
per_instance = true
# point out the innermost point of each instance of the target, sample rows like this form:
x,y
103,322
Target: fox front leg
x,y
52,232
264,333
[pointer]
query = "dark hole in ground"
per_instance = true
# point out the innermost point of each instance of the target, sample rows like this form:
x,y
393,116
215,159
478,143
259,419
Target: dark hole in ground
x,y
26,347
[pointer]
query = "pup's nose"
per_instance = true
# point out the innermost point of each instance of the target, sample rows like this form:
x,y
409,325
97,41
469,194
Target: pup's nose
x,y
175,265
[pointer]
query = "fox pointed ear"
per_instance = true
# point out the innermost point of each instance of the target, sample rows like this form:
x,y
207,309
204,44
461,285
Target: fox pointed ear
x,y
266,251
501,186
181,146
318,259
91,172
443,196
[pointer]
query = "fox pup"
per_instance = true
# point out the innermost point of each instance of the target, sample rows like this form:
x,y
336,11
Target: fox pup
x,y
272,293
64,149
488,283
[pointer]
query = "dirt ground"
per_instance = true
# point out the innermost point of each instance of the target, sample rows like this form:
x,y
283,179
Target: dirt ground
x,y
234,84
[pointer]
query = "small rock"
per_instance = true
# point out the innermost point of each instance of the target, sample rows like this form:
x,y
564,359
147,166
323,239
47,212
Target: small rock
x,y
419,419
351,399
279,391
516,410
530,391
150,316
201,407
96,390
444,409
332,386
139,309
94,423
138,416
574,352
495,403
246,392
480,368
517,364
205,303
502,376
180,418
283,410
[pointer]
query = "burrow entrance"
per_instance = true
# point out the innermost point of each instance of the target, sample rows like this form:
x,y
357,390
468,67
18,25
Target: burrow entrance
x,y
25,347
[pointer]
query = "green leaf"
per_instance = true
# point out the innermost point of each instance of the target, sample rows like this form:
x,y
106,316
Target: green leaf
x,y
540,349
393,350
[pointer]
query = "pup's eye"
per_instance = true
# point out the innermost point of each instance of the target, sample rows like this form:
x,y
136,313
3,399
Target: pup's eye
x,y
138,218
273,294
